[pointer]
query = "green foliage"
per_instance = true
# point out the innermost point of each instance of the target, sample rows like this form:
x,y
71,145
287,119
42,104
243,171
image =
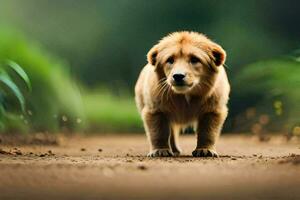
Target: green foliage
x,y
6,79
267,89
107,112
8,88
55,100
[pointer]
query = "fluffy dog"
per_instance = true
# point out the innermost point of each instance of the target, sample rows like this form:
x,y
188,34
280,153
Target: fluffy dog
x,y
183,83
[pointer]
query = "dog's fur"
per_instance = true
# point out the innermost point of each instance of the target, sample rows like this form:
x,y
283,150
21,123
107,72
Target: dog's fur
x,y
202,101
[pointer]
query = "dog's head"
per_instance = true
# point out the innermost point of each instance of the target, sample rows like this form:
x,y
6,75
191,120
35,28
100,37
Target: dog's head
x,y
186,60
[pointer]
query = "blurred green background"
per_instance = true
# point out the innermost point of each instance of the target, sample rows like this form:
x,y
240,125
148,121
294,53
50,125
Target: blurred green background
x,y
83,58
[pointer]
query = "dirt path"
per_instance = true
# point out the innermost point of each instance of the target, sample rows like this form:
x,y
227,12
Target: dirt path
x,y
115,167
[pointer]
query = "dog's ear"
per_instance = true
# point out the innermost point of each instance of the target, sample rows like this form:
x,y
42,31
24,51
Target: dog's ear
x,y
152,56
219,55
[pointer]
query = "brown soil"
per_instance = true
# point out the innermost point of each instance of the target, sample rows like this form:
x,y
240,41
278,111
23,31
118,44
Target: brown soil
x,y
115,167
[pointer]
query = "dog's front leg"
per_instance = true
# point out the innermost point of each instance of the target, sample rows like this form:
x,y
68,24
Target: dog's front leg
x,y
157,128
208,131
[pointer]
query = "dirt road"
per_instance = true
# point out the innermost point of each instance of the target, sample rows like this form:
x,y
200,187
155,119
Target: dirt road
x,y
115,167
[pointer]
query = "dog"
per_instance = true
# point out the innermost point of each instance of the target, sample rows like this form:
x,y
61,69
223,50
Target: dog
x,y
184,83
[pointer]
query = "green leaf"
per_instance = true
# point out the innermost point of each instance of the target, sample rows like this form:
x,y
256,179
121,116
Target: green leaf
x,y
13,65
5,79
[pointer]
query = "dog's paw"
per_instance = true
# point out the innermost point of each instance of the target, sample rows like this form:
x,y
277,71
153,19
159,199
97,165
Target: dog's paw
x,y
160,153
204,152
176,153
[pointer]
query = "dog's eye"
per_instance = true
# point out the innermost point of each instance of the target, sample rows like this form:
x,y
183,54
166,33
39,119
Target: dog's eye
x,y
194,60
170,60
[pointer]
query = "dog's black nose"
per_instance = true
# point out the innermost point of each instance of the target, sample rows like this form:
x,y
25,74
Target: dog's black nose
x,y
178,78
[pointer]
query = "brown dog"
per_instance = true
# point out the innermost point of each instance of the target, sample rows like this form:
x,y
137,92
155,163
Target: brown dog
x,y
183,83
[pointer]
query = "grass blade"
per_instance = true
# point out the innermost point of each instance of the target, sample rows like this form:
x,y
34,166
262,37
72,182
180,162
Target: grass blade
x,y
6,80
13,65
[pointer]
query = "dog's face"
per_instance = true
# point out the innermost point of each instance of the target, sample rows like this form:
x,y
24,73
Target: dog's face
x,y
186,60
